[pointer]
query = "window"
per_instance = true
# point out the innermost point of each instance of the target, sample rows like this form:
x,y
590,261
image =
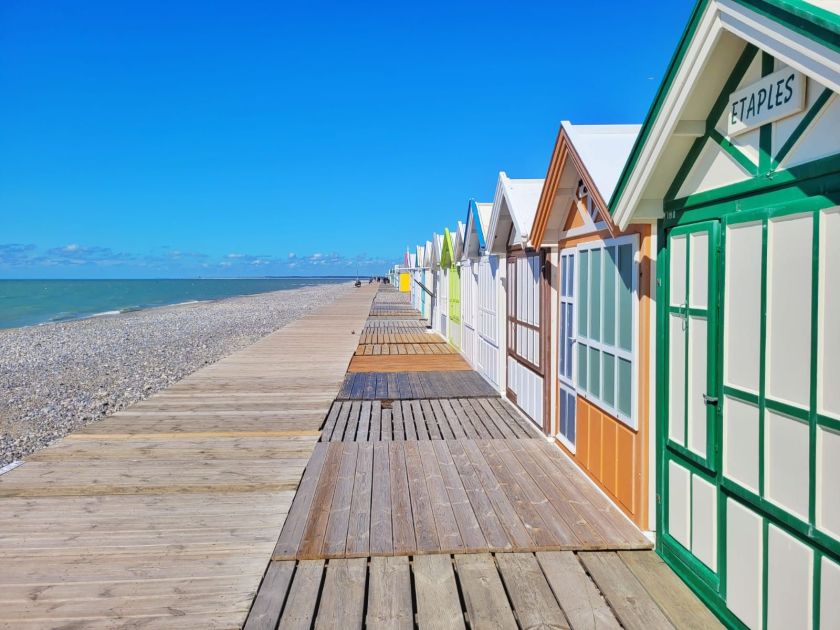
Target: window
x,y
606,319
524,304
565,347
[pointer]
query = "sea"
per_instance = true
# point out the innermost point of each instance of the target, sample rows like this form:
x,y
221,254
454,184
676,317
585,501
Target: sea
x,y
33,302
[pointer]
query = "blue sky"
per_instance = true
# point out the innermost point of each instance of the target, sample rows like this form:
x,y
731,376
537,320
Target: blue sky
x,y
175,139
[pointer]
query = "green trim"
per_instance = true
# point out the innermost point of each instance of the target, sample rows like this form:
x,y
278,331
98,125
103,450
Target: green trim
x,y
802,17
447,251
765,141
739,156
796,175
801,127
738,72
814,23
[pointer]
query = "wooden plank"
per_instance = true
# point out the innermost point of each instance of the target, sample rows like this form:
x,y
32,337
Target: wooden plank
x,y
381,534
484,596
295,522
423,517
399,423
402,523
682,607
343,598
631,603
468,524
265,611
518,497
507,429
329,424
446,525
453,409
447,430
335,537
375,421
353,420
363,428
481,431
358,531
316,524
580,600
438,606
554,490
424,431
533,602
387,425
389,594
516,534
408,421
479,415
341,422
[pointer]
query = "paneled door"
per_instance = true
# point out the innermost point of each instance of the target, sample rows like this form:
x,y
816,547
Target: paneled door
x,y
690,498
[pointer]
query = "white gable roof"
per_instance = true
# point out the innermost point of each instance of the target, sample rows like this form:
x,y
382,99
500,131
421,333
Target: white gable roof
x,y
514,207
604,150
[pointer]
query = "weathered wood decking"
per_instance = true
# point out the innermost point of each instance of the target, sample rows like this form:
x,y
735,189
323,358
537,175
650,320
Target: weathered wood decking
x,y
550,589
165,514
420,482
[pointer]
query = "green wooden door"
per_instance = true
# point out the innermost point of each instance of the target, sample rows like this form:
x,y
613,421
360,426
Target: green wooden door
x,y
688,436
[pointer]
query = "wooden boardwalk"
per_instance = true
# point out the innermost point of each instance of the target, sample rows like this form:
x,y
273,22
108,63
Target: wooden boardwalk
x,y
430,502
165,514
550,589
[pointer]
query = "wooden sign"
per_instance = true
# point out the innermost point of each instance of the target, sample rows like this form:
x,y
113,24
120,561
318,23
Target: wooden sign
x,y
775,96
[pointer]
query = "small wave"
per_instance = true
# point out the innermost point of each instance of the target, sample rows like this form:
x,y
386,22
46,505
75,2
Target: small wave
x,y
103,314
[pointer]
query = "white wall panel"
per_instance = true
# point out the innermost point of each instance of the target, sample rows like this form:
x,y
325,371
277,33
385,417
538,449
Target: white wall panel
x,y
677,273
744,563
742,304
829,594
789,260
676,379
679,494
699,270
786,462
828,384
740,442
704,521
828,481
697,354
789,582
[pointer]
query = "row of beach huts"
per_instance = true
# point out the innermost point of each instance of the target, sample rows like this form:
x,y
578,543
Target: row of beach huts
x,y
665,306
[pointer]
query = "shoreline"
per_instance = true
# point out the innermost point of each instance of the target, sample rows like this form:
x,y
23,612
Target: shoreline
x,y
58,377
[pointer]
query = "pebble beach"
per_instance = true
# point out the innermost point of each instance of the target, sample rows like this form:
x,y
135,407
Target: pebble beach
x,y
57,378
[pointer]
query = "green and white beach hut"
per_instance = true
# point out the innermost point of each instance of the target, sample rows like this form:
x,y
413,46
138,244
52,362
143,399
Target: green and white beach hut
x,y
738,165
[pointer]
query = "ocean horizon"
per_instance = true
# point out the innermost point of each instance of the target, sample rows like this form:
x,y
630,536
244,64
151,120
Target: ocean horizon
x,y
35,302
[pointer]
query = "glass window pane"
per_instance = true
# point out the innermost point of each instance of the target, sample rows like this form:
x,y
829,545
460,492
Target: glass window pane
x,y
581,368
625,297
571,276
609,295
595,296
625,376
564,272
561,349
608,395
595,372
583,301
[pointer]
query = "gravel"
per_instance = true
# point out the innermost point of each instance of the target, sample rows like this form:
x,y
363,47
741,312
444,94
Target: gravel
x,y
57,378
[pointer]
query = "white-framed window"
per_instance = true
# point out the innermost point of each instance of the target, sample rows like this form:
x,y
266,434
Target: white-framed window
x,y
567,425
605,330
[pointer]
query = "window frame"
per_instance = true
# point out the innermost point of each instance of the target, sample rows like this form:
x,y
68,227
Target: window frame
x,y
632,355
514,296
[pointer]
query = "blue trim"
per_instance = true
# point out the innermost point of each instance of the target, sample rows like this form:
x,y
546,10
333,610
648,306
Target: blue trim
x,y
473,210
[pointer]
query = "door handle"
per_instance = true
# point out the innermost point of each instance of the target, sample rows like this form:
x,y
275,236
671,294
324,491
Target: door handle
x,y
710,400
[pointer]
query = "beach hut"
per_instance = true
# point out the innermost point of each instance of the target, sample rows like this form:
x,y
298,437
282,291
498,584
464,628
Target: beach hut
x,y
419,294
527,278
453,288
471,251
440,273
738,163
427,281
601,318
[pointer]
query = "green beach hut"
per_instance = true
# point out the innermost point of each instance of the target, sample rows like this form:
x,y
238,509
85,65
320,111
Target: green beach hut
x,y
447,261
738,167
